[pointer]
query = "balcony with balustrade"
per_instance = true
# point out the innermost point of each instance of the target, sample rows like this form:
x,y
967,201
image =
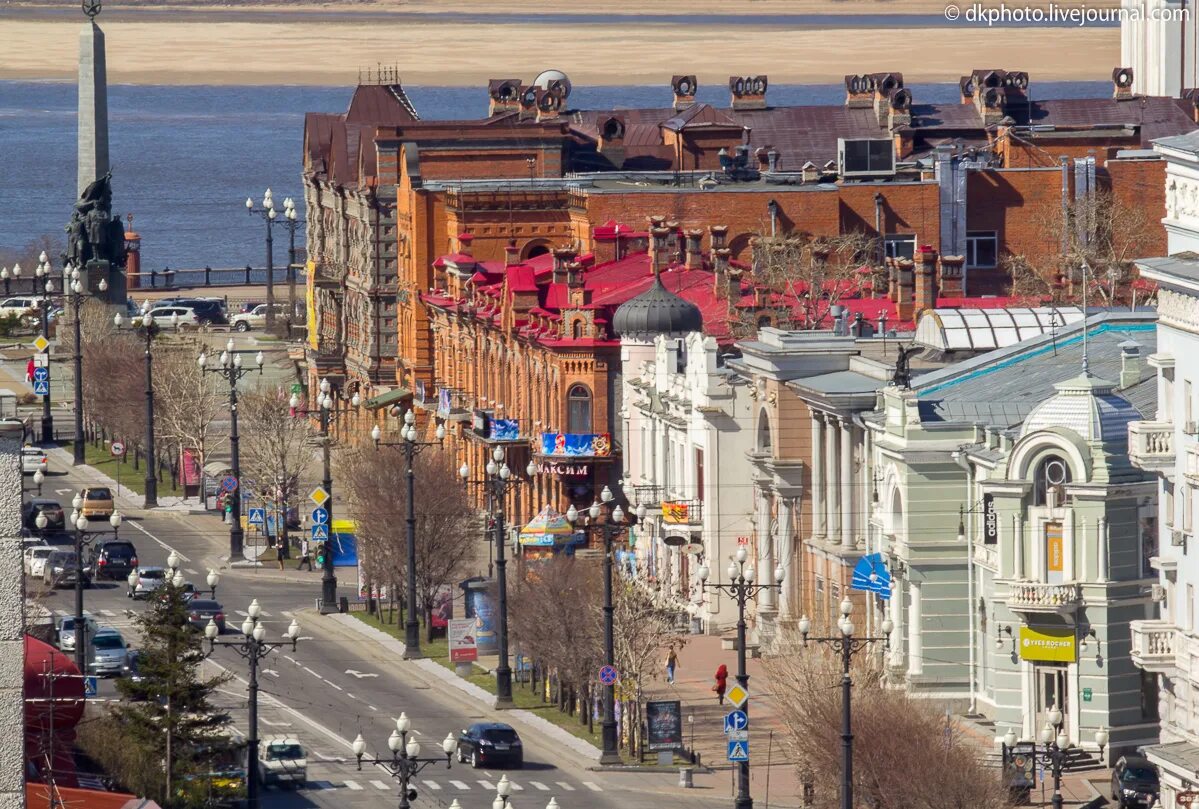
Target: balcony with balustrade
x,y
1042,598
1153,645
1151,445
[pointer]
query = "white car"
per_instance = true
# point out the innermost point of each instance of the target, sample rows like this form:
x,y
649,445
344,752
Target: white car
x,y
33,459
35,559
149,579
255,318
283,761
163,317
19,307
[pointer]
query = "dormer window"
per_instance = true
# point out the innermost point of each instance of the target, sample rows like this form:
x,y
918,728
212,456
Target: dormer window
x,y
1050,480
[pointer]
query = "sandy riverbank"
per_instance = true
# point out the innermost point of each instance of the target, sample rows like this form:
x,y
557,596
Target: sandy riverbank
x,y
220,45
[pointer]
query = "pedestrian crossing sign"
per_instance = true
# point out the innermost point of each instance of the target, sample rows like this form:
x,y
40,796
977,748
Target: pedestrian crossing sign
x,y
738,695
257,516
738,751
320,533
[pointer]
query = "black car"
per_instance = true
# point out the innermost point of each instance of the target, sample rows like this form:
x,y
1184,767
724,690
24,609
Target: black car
x,y
209,311
62,568
55,519
490,743
112,559
201,610
1134,782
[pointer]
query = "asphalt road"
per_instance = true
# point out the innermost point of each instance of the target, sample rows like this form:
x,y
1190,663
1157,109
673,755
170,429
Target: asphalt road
x,y
336,685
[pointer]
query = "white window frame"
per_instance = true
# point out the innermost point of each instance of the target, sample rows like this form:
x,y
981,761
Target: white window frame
x,y
891,241
973,237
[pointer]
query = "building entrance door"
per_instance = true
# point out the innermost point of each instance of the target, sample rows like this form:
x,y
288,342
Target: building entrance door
x,y
1051,693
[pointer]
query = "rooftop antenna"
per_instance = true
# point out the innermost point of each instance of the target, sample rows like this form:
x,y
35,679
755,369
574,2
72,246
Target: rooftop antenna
x,y
1086,368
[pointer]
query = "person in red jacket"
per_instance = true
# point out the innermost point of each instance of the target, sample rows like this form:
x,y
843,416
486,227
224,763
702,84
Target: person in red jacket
x,y
722,682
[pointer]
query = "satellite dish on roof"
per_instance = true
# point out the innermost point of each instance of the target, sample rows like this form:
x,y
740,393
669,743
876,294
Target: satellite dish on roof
x,y
549,78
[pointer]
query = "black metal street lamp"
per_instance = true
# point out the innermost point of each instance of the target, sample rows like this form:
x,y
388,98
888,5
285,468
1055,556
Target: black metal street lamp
x,y
231,371
292,222
269,215
254,647
76,282
326,401
847,646
405,761
411,448
80,524
741,588
47,289
1056,747
150,329
174,560
610,528
499,481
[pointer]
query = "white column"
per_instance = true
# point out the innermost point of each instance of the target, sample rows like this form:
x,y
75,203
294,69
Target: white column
x,y
899,617
915,639
1017,547
1101,543
766,598
847,498
830,479
787,554
819,521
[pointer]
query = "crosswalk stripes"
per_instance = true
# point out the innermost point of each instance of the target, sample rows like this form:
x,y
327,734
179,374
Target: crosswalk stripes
x,y
516,787
566,786
108,613
489,786
459,785
433,785
380,785
486,784
354,786
593,787
539,785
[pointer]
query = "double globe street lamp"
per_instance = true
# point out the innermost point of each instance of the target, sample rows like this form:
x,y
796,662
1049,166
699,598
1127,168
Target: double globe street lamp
x,y
411,448
149,328
405,761
1055,749
43,271
76,283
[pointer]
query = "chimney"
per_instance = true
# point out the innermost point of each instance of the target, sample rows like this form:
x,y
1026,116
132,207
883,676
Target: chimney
x,y
511,253
549,103
1130,363
718,234
684,88
859,92
527,103
966,88
695,259
772,160
611,140
504,94
1122,84
575,280
674,246
904,290
659,255
1190,96
810,172
726,279
926,279
563,257
899,109
951,276
464,242
884,85
749,92
892,266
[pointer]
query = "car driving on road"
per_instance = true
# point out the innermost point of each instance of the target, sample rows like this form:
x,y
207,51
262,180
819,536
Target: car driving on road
x,y
66,631
55,519
61,568
490,744
1134,782
35,559
97,502
202,610
112,559
149,580
33,459
283,762
108,653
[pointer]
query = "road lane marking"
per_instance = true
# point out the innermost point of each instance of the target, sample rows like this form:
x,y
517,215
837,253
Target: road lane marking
x,y
162,544
433,785
271,672
372,707
191,572
292,659
360,674
273,724
516,787
459,785
351,696
335,685
354,785
565,786
540,786
485,784
310,671
380,785
592,786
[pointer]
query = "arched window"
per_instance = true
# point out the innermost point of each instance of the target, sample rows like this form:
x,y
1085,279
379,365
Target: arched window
x,y
576,330
534,249
764,442
578,410
1052,474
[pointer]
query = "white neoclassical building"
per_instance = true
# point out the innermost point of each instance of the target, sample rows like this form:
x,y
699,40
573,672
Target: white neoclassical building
x,y
1157,40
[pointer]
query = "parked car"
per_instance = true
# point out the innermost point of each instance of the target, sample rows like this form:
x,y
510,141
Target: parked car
x,y
55,519
61,568
133,662
164,316
256,317
97,502
283,762
66,631
149,579
201,610
108,653
486,744
34,559
209,311
112,559
18,306
1134,782
33,459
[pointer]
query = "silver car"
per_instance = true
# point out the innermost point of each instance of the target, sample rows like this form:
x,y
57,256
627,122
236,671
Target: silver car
x,y
66,631
108,653
149,580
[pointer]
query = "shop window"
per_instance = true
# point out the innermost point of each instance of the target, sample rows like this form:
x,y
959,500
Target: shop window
x,y
578,413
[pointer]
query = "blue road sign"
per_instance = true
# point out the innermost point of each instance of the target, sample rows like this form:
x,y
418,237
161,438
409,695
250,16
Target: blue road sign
x,y
257,516
735,720
738,751
90,687
607,675
41,374
229,483
320,516
41,387
320,532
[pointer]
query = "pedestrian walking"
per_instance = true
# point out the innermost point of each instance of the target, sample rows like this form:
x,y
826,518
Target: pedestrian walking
x,y
672,663
280,551
29,366
722,682
305,556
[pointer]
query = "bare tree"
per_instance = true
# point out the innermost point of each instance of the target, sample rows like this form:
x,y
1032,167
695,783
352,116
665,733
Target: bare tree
x,y
187,401
275,451
376,489
643,629
952,772
113,375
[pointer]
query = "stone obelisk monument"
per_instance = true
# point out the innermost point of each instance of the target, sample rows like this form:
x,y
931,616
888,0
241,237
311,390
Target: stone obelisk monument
x,y
93,101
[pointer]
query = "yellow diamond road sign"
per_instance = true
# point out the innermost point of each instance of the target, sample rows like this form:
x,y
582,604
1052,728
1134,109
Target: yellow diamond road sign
x,y
41,343
319,495
738,696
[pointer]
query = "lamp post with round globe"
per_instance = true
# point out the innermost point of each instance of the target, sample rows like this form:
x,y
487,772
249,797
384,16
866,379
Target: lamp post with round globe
x,y
149,327
741,588
253,647
75,282
405,760
230,369
80,524
411,448
270,217
1054,750
45,285
847,646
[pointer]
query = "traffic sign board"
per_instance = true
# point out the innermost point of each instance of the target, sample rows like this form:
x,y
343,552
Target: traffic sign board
x,y
735,720
117,449
738,695
738,751
257,516
41,374
319,495
41,343
607,675
90,687
320,516
229,483
737,736
41,387
320,532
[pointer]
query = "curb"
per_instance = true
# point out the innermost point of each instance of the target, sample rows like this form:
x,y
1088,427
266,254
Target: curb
x,y
441,674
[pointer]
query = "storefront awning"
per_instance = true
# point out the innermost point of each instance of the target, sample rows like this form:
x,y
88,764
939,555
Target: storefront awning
x,y
388,398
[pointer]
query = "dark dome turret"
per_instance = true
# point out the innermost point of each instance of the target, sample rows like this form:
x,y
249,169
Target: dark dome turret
x,y
657,311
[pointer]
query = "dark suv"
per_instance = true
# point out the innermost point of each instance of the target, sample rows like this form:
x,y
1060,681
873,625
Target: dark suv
x,y
490,743
1134,782
209,311
112,559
